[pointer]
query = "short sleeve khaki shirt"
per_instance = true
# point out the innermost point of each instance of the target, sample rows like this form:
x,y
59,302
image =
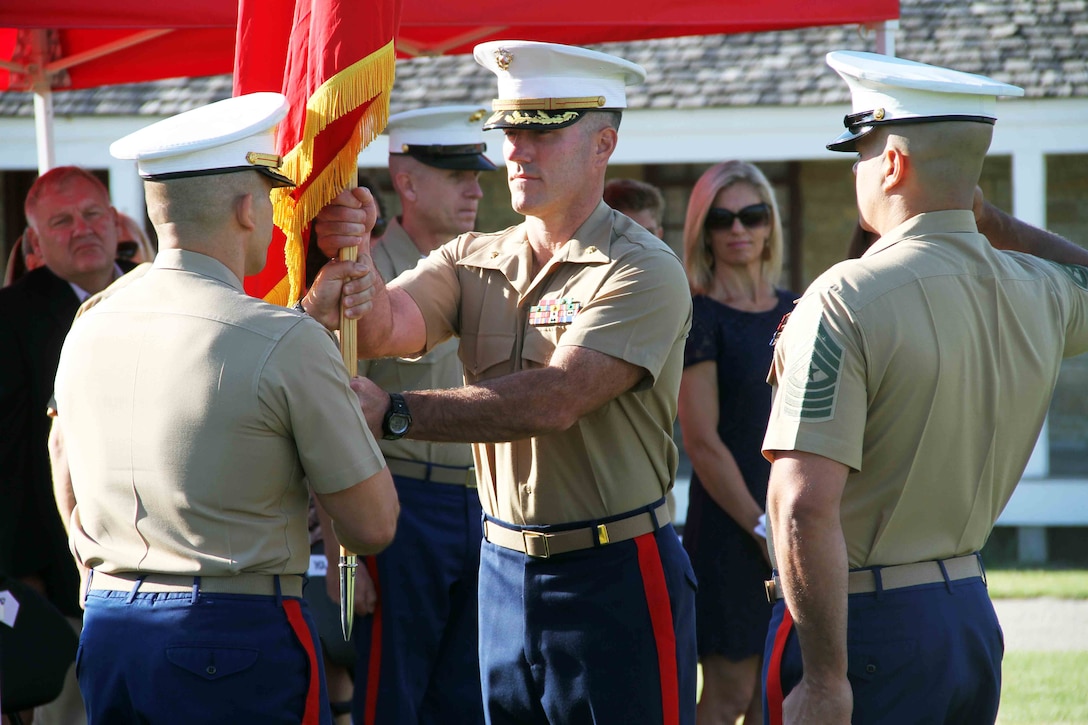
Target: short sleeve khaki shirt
x,y
927,367
193,416
613,288
438,369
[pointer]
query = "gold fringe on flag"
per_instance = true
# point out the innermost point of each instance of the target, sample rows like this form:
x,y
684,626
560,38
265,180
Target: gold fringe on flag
x,y
370,79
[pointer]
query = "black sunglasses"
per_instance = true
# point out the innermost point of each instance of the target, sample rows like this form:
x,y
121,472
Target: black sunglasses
x,y
752,216
127,250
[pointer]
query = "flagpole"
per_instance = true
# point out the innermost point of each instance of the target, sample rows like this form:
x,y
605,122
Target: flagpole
x,y
334,60
349,353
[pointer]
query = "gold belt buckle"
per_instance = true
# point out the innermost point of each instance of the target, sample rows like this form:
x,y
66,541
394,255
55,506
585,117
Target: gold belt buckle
x,y
532,550
771,590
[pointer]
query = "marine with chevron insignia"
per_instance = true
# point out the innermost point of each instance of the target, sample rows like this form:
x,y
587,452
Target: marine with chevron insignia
x,y
910,386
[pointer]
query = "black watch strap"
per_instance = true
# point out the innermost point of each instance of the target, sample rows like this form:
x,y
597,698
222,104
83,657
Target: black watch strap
x,y
397,419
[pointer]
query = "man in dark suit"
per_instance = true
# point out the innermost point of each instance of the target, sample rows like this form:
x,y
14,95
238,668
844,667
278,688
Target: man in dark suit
x,y
74,229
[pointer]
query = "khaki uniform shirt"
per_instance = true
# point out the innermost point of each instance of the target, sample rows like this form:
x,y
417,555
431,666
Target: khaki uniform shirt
x,y
193,415
927,367
613,288
440,368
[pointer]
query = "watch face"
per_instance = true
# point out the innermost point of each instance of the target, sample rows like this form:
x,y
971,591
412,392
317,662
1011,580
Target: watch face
x,y
398,423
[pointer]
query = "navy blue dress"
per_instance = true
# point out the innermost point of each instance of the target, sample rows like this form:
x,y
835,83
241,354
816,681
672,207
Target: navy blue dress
x,y
731,608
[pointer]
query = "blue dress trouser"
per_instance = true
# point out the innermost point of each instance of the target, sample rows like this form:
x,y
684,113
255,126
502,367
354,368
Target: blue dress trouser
x,y
416,658
921,655
603,635
178,657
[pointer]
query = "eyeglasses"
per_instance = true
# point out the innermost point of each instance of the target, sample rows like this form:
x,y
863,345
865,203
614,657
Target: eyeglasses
x,y
752,216
127,250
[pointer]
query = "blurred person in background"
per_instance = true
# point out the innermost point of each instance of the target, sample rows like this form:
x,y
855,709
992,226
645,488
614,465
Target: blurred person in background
x,y
733,257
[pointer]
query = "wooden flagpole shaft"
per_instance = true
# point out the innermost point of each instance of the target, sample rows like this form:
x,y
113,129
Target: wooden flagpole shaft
x,y
349,354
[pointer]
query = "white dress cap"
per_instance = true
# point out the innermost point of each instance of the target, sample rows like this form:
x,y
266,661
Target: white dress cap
x,y
446,137
235,134
547,85
885,89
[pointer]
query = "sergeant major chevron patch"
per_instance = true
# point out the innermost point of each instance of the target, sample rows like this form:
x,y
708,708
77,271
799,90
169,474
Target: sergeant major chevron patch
x,y
811,384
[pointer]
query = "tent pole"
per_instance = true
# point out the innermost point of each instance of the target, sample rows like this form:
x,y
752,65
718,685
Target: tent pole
x,y
43,99
885,37
43,127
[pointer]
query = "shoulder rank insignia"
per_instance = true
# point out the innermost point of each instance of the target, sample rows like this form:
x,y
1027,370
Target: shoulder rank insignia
x,y
553,312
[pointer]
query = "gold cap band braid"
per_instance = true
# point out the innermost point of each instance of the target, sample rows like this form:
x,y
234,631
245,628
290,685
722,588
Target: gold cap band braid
x,y
272,161
547,104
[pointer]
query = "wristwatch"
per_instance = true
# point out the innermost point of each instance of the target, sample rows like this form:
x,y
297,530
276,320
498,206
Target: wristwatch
x,y
397,419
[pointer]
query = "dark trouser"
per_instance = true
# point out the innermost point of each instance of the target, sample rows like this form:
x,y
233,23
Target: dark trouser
x,y
602,635
926,654
416,656
209,658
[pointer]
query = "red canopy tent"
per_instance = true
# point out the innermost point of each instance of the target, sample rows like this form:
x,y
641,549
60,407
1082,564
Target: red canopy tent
x,y
49,45
111,41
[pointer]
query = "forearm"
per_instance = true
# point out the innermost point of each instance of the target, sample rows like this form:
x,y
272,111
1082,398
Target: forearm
x,y
803,500
812,567
510,408
62,475
722,479
1007,232
375,326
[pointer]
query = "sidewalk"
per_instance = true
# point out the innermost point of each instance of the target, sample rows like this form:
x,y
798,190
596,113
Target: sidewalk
x,y
1043,624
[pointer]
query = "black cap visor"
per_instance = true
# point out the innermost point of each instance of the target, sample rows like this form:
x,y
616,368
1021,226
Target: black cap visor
x,y
278,179
847,140
467,157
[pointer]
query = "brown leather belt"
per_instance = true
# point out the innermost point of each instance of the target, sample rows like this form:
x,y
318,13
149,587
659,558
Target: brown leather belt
x,y
262,584
863,581
541,545
432,472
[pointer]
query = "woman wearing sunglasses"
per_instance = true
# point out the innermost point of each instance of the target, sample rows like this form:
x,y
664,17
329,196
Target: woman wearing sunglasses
x,y
733,256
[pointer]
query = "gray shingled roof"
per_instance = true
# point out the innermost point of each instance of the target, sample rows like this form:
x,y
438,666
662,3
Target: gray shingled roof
x,y
1041,45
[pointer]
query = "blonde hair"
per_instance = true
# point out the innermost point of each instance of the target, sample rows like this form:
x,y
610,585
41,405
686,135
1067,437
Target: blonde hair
x,y
132,231
698,257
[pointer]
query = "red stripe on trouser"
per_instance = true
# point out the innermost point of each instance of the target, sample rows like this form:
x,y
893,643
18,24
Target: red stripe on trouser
x,y
774,669
657,599
312,714
374,666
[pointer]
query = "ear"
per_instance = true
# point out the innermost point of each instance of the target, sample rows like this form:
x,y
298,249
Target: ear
x,y
31,238
607,138
895,164
243,212
405,186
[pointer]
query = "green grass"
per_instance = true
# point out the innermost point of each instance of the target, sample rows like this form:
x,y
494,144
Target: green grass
x,y
1039,688
1031,583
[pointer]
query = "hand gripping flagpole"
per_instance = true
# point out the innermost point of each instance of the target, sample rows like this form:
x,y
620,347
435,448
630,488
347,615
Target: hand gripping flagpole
x,y
348,352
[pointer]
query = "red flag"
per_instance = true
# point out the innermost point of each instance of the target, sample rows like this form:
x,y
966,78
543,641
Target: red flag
x,y
334,60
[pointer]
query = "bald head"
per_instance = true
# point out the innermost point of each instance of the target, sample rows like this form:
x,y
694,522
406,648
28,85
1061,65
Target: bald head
x,y
200,203
226,216
947,157
907,169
